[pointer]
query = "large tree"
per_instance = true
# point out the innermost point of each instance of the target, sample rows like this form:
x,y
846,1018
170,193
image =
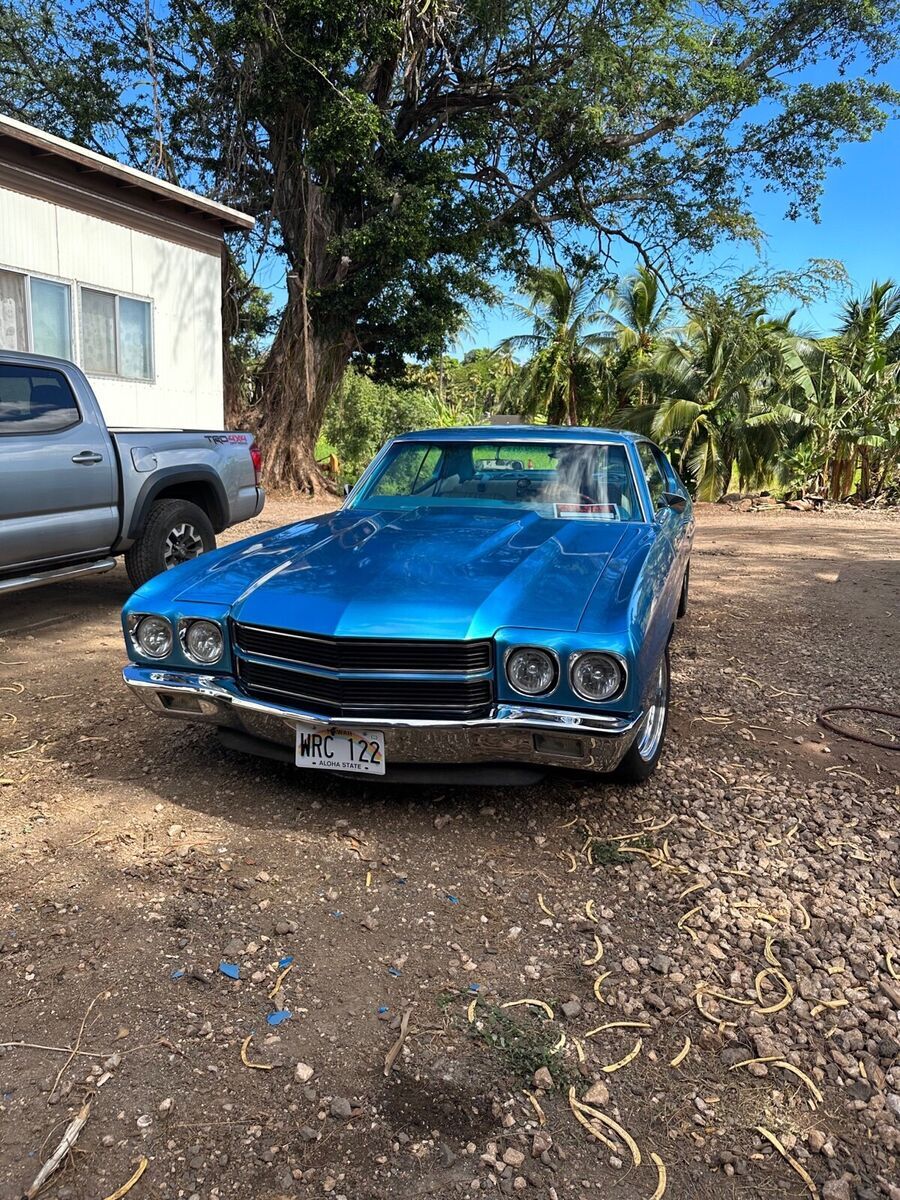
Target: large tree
x,y
399,151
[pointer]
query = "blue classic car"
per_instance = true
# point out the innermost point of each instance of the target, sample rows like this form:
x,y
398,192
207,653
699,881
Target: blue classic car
x,y
488,603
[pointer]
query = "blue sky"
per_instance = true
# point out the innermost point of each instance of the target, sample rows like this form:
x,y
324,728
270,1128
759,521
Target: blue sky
x,y
859,225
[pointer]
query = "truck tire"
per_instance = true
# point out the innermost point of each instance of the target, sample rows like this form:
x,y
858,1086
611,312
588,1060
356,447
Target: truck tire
x,y
175,532
643,753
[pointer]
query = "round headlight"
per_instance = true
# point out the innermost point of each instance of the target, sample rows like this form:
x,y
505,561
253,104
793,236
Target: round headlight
x,y
154,637
203,641
596,676
531,671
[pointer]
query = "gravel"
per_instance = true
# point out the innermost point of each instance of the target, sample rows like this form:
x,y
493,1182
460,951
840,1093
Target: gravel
x,y
132,851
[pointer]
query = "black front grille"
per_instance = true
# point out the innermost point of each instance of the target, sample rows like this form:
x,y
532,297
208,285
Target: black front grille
x,y
365,654
455,698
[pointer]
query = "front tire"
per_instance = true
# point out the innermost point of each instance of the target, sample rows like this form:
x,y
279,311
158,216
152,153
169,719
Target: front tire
x,y
644,752
175,532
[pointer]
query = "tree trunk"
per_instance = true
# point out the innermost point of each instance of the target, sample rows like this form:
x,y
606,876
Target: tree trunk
x,y
302,371
235,383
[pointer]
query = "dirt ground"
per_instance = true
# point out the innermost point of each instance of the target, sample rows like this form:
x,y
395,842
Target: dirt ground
x,y
760,868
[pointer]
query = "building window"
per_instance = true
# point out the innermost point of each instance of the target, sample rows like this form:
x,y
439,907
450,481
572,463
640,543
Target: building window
x,y
116,335
35,314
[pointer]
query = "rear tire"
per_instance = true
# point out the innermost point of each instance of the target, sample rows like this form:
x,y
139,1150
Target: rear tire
x,y
644,752
175,531
683,598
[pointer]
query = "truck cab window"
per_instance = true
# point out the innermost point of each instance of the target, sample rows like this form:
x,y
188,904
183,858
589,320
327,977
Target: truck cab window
x,y
35,400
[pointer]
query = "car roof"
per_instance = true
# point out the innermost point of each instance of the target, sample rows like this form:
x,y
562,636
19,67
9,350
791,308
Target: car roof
x,y
522,433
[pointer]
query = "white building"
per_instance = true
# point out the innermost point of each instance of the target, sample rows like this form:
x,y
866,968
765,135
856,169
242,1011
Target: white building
x,y
116,270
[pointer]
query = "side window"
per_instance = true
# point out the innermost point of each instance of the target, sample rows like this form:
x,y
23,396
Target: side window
x,y
401,473
656,481
673,483
35,400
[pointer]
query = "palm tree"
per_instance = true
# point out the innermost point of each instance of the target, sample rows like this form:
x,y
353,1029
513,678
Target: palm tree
x,y
639,313
864,379
717,395
846,401
561,378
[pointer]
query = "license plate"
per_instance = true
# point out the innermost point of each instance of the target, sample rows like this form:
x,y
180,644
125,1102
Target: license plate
x,y
329,749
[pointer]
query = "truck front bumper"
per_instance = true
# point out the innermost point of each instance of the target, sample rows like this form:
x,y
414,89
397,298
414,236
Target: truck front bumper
x,y
512,734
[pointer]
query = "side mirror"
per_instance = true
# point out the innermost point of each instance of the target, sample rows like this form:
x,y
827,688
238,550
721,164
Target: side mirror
x,y
675,500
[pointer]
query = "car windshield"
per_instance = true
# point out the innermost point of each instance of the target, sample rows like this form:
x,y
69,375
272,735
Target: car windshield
x,y
586,480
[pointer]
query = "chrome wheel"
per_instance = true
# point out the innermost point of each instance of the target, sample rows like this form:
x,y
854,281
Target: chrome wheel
x,y
183,543
652,730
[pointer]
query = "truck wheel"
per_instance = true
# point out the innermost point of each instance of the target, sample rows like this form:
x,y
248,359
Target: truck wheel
x,y
644,752
175,532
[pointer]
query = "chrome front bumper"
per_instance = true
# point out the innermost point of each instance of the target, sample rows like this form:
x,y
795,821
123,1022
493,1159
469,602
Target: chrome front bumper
x,y
512,734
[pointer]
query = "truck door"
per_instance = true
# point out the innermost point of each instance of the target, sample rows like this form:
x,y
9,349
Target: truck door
x,y
58,483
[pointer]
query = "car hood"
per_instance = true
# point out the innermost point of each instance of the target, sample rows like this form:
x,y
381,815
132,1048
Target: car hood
x,y
428,572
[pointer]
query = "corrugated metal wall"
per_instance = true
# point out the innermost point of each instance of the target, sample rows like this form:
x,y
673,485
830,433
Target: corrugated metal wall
x,y
183,284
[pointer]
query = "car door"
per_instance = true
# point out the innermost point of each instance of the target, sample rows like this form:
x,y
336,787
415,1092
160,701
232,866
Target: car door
x,y
57,478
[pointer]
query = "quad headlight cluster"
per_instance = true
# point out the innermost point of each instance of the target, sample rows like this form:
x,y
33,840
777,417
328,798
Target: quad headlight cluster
x,y
202,641
594,676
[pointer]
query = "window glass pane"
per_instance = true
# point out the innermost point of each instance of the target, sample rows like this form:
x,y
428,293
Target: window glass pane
x,y
135,359
98,332
398,477
655,480
50,327
33,400
13,330
557,479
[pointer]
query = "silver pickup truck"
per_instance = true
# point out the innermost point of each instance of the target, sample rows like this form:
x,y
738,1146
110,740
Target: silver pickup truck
x,y
73,493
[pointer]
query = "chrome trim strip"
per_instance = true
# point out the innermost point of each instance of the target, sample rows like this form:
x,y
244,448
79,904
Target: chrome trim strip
x,y
397,676
222,691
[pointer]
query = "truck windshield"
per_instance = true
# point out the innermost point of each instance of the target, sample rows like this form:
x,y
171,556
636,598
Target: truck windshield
x,y
581,480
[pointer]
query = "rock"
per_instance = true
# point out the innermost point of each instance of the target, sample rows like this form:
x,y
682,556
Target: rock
x,y
837,1189
513,1157
303,1072
661,964
308,1134
166,1106
441,820
144,1121
816,1140
892,1100
597,1093
543,1079
571,1008
891,989
540,1143
285,926
631,966
369,922
341,1107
